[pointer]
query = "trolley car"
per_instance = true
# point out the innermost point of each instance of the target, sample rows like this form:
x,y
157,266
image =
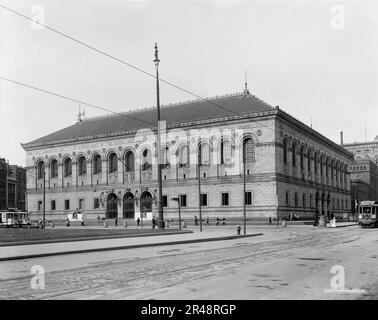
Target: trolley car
x,y
367,214
9,219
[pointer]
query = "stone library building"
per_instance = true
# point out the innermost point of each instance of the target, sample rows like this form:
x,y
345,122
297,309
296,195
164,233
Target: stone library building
x,y
107,166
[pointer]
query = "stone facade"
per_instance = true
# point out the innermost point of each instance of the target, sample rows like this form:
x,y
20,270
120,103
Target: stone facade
x,y
289,168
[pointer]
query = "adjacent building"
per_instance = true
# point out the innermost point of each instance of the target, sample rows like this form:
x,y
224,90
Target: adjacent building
x,y
12,186
107,166
364,171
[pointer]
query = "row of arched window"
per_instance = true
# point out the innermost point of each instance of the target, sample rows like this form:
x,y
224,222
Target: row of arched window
x,y
129,159
323,165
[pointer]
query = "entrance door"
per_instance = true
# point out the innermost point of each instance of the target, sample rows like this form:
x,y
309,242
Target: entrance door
x,y
145,202
111,206
128,206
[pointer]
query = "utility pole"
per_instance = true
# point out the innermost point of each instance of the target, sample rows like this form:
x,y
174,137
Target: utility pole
x,y
160,187
199,182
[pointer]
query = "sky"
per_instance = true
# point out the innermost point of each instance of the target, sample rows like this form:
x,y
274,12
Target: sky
x,y
317,60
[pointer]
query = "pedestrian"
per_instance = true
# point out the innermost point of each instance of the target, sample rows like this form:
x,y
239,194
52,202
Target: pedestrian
x,y
223,221
195,220
138,221
98,219
217,224
115,222
270,221
153,222
68,222
207,221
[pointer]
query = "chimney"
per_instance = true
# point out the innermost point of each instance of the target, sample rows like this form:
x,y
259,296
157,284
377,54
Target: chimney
x,y
341,139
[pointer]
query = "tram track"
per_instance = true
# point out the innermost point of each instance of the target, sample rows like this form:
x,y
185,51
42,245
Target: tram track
x,y
148,274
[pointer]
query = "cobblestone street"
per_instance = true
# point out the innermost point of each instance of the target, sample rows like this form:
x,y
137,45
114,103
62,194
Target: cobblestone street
x,y
287,263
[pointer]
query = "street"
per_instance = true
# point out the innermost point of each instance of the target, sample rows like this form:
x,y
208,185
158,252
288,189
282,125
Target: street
x,y
285,263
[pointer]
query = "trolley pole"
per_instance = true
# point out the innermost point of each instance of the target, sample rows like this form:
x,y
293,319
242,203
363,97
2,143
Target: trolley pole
x,y
160,187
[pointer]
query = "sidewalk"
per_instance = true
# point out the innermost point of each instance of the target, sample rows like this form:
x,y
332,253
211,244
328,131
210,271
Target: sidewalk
x,y
51,249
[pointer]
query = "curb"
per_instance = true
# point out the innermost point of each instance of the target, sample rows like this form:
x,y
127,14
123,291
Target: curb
x,y
114,236
167,243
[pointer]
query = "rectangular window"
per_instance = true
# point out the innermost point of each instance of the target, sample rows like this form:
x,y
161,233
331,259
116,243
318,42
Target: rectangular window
x,y
204,200
183,200
248,198
66,204
39,205
53,205
225,198
296,199
304,200
81,204
96,203
165,201
287,198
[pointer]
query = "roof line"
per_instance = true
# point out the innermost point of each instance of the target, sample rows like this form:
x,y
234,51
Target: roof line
x,y
175,104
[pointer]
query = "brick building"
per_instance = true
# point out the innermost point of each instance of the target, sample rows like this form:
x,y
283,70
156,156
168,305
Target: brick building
x,y
12,186
107,166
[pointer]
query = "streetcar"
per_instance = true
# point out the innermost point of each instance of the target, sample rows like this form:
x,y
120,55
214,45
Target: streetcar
x,y
14,219
367,214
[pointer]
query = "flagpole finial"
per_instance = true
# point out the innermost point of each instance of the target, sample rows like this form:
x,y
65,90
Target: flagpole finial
x,y
246,91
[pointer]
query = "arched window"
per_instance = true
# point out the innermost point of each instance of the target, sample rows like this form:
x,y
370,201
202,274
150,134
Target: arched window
x,y
294,155
113,163
129,161
40,169
327,163
225,151
67,167
284,151
97,164
309,160
165,157
146,159
54,168
184,156
302,158
316,162
204,151
82,166
248,150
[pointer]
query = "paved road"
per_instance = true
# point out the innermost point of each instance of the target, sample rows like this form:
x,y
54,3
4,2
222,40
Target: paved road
x,y
287,263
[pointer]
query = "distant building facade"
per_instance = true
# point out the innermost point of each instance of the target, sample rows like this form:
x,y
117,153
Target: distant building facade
x,y
107,166
364,150
12,186
364,171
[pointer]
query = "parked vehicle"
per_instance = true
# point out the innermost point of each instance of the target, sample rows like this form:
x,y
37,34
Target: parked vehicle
x,y
367,214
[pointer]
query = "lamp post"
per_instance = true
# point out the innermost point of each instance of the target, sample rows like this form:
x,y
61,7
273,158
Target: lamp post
x,y
199,182
160,200
244,191
179,208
